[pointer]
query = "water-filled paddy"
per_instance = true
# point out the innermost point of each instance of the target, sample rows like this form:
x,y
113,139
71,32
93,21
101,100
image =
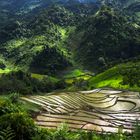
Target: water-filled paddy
x,y
100,110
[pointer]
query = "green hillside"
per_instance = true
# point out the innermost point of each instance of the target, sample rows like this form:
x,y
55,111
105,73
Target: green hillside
x,y
58,38
107,38
69,70
122,76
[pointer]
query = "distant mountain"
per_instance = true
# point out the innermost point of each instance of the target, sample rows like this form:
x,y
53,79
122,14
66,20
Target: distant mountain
x,y
129,7
12,10
28,5
86,1
49,37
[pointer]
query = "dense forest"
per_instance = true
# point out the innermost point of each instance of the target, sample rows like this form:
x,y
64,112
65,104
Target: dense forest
x,y
51,51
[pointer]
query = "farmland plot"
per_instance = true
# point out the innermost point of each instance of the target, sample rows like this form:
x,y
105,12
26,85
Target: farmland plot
x,y
99,110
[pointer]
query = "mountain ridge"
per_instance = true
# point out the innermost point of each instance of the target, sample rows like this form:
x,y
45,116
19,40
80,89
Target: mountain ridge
x,y
66,36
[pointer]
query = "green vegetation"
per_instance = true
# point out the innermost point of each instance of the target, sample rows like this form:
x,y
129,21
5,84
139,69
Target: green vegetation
x,y
107,39
123,76
19,124
58,38
76,79
56,46
26,83
75,73
7,134
19,110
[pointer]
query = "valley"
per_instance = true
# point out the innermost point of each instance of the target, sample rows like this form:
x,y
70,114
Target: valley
x,y
69,70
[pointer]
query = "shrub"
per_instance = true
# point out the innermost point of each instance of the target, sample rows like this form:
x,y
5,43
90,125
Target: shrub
x,y
7,107
42,134
14,97
137,132
61,133
7,134
21,124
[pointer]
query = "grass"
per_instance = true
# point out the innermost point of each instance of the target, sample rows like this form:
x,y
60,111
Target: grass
x,y
2,71
37,76
15,43
83,77
64,36
6,71
41,77
37,48
111,78
107,78
76,74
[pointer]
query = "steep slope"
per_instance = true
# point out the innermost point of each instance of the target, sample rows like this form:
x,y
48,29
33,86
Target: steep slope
x,y
24,6
120,3
45,43
106,38
123,76
129,7
11,10
42,38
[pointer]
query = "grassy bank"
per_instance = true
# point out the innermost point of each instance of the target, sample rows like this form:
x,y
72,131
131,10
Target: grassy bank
x,y
123,76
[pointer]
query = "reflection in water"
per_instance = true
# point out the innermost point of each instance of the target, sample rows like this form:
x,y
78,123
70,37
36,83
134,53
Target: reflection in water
x,y
100,110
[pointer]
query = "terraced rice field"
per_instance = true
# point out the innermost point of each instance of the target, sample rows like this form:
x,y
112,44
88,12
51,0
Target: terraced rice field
x,y
99,110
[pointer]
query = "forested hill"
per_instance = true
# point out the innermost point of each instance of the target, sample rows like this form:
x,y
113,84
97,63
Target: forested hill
x,y
59,37
11,10
72,61
107,38
131,7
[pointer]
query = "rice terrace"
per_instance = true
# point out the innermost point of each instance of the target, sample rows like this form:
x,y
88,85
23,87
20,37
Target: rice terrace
x,y
100,110
69,69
